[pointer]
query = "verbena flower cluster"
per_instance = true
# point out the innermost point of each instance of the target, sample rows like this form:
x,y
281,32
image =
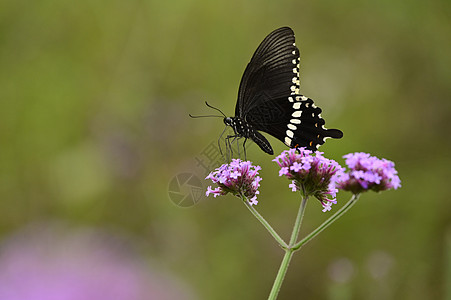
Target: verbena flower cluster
x,y
239,178
51,261
368,172
315,175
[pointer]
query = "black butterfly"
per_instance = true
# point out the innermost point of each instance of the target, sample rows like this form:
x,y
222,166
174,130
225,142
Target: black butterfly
x,y
269,99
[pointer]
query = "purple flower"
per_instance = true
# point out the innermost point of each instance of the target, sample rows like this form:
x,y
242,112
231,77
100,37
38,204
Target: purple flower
x,y
315,175
368,172
239,178
54,262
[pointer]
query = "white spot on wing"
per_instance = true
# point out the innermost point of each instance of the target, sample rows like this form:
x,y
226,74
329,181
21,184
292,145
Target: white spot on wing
x,y
297,105
290,99
304,98
290,133
288,141
295,121
297,114
292,127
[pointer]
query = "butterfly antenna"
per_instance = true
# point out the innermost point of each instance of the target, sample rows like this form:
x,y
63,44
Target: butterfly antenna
x,y
206,103
209,116
206,116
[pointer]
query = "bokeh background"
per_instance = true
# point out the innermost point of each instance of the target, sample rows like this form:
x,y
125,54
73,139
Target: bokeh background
x,y
95,137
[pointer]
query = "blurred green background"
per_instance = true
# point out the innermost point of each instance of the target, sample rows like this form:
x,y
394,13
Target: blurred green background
x,y
94,125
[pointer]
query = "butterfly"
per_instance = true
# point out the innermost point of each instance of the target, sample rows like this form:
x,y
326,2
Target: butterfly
x,y
269,99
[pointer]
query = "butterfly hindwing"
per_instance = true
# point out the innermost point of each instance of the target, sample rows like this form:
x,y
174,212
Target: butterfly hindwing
x,y
295,120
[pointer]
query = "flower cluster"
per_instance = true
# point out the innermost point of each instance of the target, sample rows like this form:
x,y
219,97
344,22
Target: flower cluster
x,y
368,172
239,178
56,261
314,175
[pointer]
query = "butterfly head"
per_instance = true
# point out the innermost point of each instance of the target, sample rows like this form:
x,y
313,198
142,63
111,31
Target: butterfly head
x,y
228,121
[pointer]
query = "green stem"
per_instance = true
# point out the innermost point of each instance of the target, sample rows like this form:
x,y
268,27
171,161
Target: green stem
x,y
288,251
281,274
268,227
298,223
329,221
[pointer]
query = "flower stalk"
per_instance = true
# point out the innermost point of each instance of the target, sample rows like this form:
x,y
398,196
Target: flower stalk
x,y
290,250
265,224
281,274
328,222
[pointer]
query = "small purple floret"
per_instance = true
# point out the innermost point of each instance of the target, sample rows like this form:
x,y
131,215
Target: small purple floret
x,y
316,175
239,178
368,172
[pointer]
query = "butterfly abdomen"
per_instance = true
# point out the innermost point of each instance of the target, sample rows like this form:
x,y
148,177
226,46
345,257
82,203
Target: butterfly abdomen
x,y
262,142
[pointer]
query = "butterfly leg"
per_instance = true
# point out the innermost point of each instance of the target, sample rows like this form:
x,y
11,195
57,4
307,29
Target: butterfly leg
x,y
220,148
237,146
219,142
236,138
229,151
229,144
244,148
227,148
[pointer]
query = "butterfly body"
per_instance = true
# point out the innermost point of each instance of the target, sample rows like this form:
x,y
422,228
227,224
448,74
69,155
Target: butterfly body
x,y
269,98
245,130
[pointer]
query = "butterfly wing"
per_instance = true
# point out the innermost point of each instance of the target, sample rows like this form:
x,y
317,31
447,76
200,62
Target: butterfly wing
x,y
294,120
273,71
269,98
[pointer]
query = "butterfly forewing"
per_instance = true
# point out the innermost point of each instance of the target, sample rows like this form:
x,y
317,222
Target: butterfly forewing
x,y
273,71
